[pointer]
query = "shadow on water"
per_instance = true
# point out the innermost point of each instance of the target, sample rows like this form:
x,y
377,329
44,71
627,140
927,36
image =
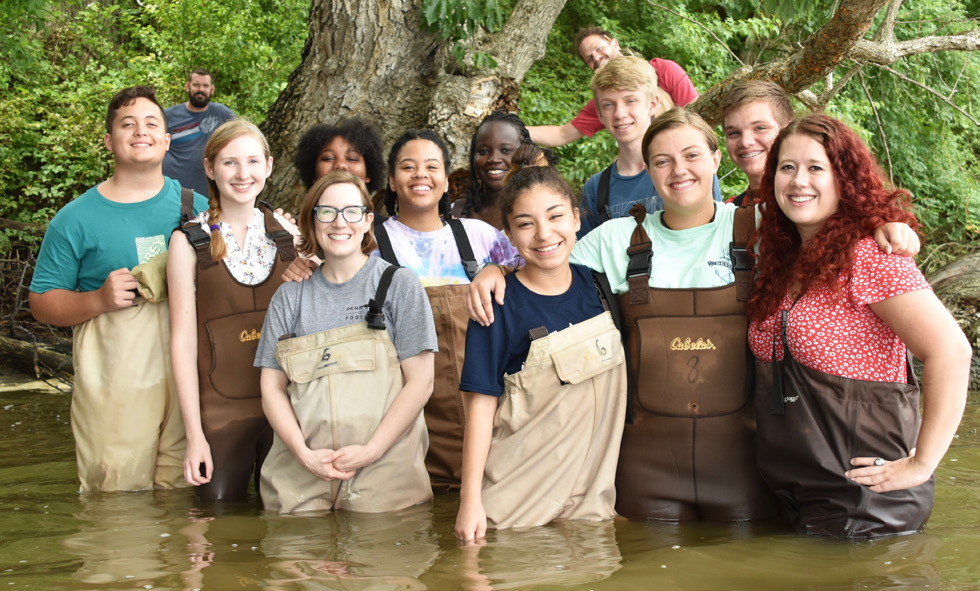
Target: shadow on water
x,y
53,538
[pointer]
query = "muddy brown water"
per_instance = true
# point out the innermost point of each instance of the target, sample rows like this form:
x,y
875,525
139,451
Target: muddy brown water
x,y
51,537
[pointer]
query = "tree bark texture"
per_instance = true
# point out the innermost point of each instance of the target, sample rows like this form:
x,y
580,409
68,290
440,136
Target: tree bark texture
x,y
373,60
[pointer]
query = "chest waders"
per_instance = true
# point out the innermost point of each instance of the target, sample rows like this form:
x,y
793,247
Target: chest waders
x,y
342,381
810,426
557,430
125,417
690,452
229,324
444,412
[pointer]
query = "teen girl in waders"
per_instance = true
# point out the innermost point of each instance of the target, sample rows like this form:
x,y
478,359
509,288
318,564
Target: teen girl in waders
x,y
682,279
346,360
223,268
445,253
546,383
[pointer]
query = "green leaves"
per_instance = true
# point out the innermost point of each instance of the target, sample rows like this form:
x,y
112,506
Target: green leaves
x,y
458,20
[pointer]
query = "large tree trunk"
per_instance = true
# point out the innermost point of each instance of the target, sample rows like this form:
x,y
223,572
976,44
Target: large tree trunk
x,y
372,59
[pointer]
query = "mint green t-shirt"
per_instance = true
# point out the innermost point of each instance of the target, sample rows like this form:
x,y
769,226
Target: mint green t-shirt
x,y
693,258
93,236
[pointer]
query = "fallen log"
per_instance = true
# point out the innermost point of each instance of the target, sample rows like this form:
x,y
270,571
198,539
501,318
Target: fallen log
x,y
37,360
958,286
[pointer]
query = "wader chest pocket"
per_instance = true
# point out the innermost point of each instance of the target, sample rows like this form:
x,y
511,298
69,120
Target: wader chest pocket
x,y
305,359
234,340
589,357
691,366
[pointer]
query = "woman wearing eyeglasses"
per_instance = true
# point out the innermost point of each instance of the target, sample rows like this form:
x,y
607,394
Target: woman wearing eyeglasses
x,y
347,365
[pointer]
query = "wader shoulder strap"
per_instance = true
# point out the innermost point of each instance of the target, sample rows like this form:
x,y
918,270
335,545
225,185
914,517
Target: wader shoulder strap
x,y
201,243
744,226
465,249
602,195
611,303
640,252
278,234
384,244
375,315
186,205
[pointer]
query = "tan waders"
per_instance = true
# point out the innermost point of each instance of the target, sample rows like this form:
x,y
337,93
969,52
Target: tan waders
x,y
124,412
690,452
342,382
557,431
229,324
810,426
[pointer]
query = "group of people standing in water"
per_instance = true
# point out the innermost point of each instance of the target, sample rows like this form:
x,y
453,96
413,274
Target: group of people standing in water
x,y
704,361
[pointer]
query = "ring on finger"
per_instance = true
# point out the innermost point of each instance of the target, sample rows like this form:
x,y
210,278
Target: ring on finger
x,y
879,461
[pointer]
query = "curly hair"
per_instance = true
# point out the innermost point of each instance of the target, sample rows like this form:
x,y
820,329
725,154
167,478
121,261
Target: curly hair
x,y
865,204
359,133
391,198
476,193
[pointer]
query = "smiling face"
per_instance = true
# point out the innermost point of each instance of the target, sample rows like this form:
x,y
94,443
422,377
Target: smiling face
x,y
495,144
240,169
625,113
199,90
420,177
596,50
749,133
805,184
340,238
542,226
682,167
339,154
139,135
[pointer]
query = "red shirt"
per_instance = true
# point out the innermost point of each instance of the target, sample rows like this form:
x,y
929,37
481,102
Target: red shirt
x,y
845,338
670,76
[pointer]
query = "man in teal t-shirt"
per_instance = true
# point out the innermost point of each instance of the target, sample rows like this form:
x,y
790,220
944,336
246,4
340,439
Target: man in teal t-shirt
x,y
125,416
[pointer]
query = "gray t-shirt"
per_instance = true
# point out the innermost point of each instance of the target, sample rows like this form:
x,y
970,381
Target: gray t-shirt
x,y
189,134
316,305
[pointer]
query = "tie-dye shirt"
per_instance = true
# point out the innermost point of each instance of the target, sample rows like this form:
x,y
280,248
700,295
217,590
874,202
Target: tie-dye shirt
x,y
434,256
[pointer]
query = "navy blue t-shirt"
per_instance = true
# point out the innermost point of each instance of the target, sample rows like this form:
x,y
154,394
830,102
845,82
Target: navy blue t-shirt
x,y
503,346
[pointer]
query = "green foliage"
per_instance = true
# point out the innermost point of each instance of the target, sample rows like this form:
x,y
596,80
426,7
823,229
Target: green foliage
x,y
457,20
934,151
63,60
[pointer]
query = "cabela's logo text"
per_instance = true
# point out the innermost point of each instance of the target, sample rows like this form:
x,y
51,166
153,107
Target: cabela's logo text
x,y
689,345
247,336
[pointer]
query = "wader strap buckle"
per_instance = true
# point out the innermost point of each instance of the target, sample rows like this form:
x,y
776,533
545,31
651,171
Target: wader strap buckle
x,y
375,315
742,269
465,249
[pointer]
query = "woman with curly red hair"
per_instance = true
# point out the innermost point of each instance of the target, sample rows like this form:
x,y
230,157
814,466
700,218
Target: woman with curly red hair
x,y
839,436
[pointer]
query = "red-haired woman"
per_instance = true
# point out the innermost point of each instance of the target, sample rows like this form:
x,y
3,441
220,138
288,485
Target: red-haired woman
x,y
839,436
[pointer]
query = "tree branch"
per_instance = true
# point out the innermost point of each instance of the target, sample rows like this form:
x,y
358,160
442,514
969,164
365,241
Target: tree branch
x,y
881,128
829,94
884,53
715,37
931,91
886,32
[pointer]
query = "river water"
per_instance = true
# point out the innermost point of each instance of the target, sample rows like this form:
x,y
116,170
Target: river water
x,y
51,537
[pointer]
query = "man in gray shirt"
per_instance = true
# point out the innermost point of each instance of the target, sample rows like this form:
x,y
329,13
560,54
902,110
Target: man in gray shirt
x,y
190,125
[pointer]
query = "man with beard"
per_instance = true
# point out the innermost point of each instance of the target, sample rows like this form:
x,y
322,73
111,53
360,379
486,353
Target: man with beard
x,y
190,126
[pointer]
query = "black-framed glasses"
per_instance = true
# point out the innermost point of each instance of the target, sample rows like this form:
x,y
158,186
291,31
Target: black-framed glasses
x,y
327,213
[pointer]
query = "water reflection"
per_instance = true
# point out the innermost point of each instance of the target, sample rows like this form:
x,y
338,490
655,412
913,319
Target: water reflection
x,y
564,553
53,538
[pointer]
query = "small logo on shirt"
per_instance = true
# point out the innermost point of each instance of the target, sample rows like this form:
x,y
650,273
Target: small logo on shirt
x,y
691,345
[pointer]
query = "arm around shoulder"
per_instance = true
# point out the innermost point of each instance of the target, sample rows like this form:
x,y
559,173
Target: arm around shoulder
x,y
554,136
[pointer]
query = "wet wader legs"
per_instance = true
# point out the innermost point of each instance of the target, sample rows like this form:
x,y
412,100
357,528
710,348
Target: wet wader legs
x,y
237,450
128,431
557,431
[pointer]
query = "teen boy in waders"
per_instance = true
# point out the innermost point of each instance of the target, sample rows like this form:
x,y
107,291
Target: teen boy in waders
x,y
124,415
